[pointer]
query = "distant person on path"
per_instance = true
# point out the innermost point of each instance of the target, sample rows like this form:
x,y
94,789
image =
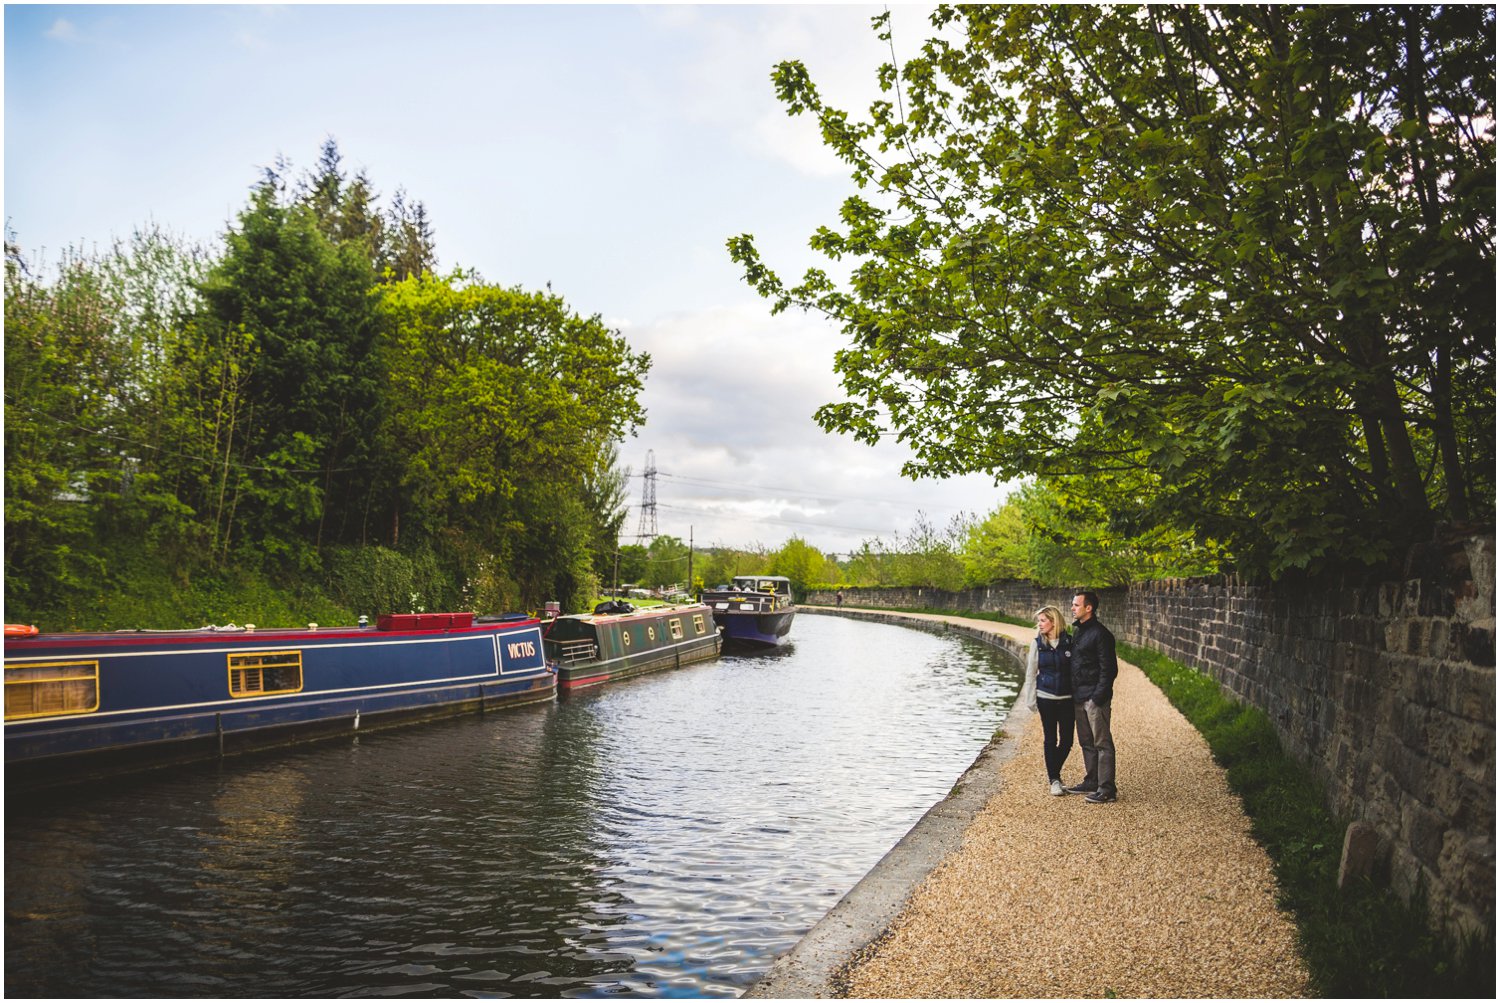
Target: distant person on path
x,y
1094,672
839,597
1049,689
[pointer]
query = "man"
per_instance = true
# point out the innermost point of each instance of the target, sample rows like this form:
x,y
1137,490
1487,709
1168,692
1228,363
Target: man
x,y
1094,672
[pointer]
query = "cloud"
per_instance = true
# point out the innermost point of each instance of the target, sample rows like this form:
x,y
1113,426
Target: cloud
x,y
740,459
727,82
797,141
62,30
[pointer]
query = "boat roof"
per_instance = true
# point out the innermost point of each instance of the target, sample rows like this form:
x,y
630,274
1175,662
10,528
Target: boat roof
x,y
639,611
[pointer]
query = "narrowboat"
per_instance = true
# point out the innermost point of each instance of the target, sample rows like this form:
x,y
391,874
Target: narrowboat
x,y
755,609
82,705
618,641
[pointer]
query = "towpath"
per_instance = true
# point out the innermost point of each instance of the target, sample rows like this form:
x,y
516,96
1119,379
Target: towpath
x,y
1161,894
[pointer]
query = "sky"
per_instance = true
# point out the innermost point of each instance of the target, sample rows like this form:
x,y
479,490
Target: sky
x,y
610,151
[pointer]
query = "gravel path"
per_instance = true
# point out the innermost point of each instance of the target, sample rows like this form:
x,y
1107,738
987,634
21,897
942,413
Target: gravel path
x,y
1162,894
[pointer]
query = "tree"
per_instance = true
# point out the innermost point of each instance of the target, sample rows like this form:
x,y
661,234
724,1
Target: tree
x,y
500,408
398,241
803,563
1235,261
411,247
295,404
61,362
997,547
313,395
928,556
718,565
1071,541
605,489
666,562
633,563
869,566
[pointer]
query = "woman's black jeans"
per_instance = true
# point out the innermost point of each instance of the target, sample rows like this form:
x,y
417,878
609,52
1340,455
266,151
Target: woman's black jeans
x,y
1057,733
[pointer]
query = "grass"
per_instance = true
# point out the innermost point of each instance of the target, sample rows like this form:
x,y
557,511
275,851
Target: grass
x,y
156,600
1362,940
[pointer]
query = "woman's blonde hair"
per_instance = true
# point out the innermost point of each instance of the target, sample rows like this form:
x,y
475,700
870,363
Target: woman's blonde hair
x,y
1057,618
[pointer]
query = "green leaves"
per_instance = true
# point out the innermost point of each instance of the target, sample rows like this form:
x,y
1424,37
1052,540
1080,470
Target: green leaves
x,y
1197,244
313,389
502,407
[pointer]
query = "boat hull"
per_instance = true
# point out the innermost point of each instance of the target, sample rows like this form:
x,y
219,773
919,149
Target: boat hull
x,y
143,699
755,628
581,677
758,610
590,651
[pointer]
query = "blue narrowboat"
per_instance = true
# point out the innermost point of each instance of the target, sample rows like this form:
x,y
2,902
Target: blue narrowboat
x,y
755,609
83,705
618,641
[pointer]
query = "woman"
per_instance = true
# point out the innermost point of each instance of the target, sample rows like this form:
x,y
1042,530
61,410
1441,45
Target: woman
x,y
1049,689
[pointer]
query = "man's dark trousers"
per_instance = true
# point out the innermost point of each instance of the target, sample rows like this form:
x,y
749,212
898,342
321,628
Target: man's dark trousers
x,y
1096,744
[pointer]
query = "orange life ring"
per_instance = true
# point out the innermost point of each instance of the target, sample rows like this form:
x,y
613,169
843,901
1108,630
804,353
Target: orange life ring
x,y
20,630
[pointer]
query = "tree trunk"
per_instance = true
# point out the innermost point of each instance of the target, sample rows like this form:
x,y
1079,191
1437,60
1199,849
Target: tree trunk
x,y
1442,406
1405,472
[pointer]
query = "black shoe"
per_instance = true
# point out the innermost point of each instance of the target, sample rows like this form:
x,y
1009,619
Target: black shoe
x,y
1099,797
1081,789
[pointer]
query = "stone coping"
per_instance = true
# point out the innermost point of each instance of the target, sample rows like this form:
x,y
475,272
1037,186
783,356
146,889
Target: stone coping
x,y
808,970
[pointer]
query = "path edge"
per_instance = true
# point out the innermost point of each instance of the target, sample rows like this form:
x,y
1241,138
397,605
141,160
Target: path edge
x,y
808,970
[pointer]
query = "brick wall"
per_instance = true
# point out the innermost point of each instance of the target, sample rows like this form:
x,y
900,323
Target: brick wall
x,y
1386,689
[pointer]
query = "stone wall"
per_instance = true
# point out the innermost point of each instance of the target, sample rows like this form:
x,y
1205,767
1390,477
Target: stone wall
x,y
1385,689
1012,598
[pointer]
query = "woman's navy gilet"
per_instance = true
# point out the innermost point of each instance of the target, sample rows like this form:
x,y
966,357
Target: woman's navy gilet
x,y
1054,666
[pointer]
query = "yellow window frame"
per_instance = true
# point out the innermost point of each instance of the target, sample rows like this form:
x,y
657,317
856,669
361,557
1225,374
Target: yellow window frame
x,y
23,687
676,627
265,673
698,622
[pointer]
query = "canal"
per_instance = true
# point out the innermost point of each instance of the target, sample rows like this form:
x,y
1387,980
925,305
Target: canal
x,y
667,836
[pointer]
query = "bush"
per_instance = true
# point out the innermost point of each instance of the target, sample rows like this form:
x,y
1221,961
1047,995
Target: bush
x,y
142,595
375,580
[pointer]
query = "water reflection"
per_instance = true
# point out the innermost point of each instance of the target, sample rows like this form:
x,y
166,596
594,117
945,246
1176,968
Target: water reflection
x,y
666,836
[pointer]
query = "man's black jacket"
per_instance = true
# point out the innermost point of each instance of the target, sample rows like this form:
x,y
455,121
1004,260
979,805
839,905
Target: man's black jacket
x,y
1094,664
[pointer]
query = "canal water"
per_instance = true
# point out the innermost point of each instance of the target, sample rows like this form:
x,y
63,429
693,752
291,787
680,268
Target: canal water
x,y
666,836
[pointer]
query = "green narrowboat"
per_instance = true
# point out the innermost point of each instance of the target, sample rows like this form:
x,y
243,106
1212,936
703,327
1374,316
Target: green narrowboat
x,y
594,648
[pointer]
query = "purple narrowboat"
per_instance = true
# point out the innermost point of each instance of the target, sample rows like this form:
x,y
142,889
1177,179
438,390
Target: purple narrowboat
x,y
755,609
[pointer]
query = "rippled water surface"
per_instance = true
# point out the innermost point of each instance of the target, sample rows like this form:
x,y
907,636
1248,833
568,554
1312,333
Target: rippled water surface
x,y
667,836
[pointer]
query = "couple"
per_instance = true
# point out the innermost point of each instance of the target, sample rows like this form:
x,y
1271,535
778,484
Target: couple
x,y
1070,679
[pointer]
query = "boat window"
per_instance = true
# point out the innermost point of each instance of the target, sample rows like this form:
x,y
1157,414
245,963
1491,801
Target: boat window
x,y
626,635
651,632
265,672
43,689
698,620
676,625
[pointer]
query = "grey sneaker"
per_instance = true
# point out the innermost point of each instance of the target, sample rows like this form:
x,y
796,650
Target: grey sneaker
x,y
1057,789
1099,797
1080,789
